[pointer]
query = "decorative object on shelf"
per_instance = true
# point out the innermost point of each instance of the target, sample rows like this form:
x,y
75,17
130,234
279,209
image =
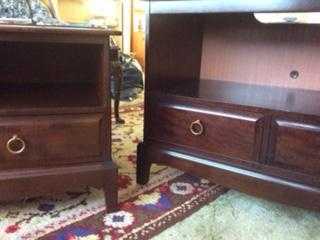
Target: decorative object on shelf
x,y
42,15
234,100
16,11
27,12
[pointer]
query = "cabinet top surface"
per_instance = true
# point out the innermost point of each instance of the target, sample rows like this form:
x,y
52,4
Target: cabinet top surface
x,y
6,28
31,33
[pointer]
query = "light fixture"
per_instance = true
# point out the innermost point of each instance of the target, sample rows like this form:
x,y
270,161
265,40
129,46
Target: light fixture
x,y
289,18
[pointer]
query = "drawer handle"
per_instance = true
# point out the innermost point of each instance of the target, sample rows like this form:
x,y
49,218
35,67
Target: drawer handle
x,y
196,128
16,145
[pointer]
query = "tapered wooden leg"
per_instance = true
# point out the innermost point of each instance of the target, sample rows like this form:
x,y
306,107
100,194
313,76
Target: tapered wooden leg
x,y
111,191
118,83
143,166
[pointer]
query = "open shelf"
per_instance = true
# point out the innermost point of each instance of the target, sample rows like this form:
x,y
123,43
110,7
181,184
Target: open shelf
x,y
233,58
268,97
50,75
18,96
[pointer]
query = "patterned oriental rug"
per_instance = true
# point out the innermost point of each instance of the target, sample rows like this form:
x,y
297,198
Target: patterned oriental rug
x,y
145,211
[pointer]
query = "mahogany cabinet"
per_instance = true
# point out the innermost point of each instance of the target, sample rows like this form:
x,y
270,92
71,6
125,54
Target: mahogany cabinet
x,y
55,133
234,100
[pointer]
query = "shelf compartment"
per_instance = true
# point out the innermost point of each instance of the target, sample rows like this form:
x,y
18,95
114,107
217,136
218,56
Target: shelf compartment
x,y
24,96
233,58
251,95
51,75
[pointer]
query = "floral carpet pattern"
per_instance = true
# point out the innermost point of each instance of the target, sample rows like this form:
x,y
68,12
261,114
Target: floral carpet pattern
x,y
145,211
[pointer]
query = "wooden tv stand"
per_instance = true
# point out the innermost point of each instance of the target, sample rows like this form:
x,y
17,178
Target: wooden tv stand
x,y
234,100
55,132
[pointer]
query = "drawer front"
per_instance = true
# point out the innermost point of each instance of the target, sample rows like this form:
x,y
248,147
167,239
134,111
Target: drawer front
x,y
295,144
50,140
224,132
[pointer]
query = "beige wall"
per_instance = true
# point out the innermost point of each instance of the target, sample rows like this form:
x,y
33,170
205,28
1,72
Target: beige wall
x,y
73,11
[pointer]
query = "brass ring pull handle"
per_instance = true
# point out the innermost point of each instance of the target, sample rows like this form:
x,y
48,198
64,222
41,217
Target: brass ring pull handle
x,y
16,145
196,128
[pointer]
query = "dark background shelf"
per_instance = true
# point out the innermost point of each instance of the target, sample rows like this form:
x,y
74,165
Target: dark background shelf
x,y
50,75
19,96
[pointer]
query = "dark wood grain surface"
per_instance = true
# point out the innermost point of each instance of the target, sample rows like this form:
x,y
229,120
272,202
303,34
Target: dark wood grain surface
x,y
255,182
173,120
52,140
268,97
253,87
54,100
54,34
295,144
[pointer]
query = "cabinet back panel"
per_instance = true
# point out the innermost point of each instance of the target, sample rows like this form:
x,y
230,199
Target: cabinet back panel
x,y
175,49
240,49
48,63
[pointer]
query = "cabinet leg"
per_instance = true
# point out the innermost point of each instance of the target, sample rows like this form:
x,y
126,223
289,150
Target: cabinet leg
x,y
118,83
143,166
119,120
111,192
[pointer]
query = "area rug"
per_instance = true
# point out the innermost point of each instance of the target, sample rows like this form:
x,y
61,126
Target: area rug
x,y
169,197
237,216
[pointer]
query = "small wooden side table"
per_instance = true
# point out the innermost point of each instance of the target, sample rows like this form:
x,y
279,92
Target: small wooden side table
x,y
55,124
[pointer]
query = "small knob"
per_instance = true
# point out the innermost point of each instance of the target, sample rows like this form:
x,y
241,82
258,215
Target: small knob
x,y
196,128
16,145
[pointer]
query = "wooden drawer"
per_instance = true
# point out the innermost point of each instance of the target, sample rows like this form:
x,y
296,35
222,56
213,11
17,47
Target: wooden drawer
x,y
295,144
227,133
50,140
